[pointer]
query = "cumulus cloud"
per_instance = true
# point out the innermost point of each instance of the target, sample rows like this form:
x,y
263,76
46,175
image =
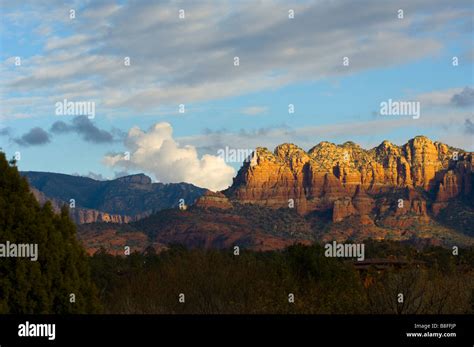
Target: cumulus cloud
x,y
156,152
34,137
83,126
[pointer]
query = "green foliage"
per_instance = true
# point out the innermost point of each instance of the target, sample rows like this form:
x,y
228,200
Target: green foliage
x,y
45,285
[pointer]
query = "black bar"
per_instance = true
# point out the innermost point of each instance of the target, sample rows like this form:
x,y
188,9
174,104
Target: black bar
x,y
170,330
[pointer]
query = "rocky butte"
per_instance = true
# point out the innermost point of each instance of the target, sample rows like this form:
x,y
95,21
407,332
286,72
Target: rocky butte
x,y
421,176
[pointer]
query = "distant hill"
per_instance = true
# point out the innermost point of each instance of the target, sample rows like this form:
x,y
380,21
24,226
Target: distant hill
x,y
121,200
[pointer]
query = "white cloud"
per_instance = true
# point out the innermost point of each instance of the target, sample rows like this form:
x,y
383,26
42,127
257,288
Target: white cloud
x,y
156,152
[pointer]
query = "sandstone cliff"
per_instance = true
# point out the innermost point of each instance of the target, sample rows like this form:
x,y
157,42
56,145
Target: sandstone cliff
x,y
351,181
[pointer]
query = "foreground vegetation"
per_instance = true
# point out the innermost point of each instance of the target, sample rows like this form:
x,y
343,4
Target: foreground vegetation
x,y
219,282
59,280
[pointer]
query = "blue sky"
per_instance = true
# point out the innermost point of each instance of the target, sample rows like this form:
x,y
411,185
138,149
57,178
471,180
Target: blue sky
x,y
190,61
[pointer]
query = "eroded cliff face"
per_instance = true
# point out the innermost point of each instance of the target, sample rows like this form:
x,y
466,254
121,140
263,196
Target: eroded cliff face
x,y
352,181
84,215
121,200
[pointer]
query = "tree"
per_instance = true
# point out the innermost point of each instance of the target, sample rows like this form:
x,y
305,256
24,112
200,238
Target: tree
x,y
59,281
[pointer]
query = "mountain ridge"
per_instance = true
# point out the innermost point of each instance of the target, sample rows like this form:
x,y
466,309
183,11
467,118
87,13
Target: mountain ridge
x,y
121,200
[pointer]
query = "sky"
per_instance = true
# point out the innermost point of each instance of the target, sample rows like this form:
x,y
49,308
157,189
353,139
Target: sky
x,y
171,85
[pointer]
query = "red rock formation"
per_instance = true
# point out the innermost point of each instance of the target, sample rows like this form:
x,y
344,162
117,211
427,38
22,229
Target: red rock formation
x,y
449,187
456,181
257,180
362,202
346,178
343,208
424,158
212,199
83,216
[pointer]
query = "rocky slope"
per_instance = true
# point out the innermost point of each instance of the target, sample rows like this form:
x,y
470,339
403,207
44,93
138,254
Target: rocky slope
x,y
83,215
121,200
203,226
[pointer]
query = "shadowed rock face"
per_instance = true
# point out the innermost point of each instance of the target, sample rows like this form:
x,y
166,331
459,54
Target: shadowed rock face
x,y
121,200
348,179
83,215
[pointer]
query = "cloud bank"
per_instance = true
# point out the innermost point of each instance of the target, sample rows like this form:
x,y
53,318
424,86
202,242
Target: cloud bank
x,y
155,151
196,54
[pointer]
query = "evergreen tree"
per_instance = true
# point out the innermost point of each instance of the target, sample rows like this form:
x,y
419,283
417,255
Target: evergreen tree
x,y
59,281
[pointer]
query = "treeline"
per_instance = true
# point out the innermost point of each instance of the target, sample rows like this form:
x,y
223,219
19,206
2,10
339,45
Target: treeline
x,y
220,282
59,280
